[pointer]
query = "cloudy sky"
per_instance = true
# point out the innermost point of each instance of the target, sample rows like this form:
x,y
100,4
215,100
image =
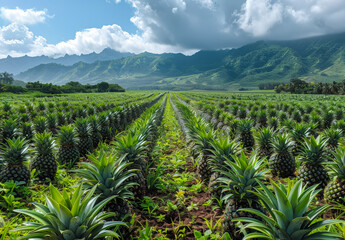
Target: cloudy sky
x,y
59,27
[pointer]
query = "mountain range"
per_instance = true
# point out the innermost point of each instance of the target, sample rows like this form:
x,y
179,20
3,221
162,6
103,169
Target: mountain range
x,y
17,65
313,59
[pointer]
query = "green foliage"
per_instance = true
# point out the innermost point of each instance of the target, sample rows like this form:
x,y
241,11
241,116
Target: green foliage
x,y
69,216
290,215
73,87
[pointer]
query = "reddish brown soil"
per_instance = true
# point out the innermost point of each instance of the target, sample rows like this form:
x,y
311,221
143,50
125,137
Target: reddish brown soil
x,y
181,218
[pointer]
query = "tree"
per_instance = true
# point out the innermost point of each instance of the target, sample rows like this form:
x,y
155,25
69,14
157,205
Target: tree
x,y
6,78
102,87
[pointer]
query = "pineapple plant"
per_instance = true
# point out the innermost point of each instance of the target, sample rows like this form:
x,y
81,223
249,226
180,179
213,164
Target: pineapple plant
x,y
60,119
246,135
85,144
40,124
203,139
334,136
112,123
44,160
51,123
27,131
264,138
327,119
314,156
290,214
335,190
95,131
110,175
282,163
242,113
68,151
273,123
133,146
105,129
68,216
9,130
298,133
339,114
223,149
262,118
239,180
14,155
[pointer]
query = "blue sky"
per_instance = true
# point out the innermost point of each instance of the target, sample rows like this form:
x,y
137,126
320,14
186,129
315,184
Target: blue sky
x,y
70,16
58,27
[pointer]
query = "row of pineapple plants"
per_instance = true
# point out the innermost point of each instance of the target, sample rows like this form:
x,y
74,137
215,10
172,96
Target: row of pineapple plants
x,y
119,172
73,141
52,121
265,113
237,175
67,103
111,173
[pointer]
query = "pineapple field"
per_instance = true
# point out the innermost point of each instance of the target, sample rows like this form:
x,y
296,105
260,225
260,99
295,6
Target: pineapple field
x,y
172,165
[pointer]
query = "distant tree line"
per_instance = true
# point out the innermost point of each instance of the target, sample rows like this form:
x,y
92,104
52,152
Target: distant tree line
x,y
299,86
6,78
269,86
6,81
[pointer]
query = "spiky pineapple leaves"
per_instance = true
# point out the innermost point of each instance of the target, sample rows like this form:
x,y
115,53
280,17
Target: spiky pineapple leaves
x,y
69,216
290,214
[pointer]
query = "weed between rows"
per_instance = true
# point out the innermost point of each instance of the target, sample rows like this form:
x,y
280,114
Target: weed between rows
x,y
177,205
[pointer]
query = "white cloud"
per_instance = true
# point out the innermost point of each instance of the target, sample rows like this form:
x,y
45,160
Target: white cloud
x,y
26,17
258,16
110,1
17,40
187,25
96,39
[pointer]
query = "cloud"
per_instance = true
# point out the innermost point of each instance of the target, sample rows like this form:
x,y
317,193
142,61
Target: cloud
x,y
110,1
259,16
17,40
26,17
215,24
109,36
183,26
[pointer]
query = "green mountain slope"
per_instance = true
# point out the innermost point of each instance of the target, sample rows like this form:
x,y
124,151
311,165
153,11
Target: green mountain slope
x,y
314,59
